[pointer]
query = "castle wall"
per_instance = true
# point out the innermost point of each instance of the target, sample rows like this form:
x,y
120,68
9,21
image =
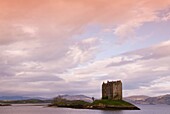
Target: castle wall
x,y
112,90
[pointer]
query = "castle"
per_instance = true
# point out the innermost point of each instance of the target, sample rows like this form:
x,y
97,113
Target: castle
x,y
112,90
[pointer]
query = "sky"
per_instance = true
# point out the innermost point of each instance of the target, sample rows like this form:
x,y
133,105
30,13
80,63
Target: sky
x,y
55,47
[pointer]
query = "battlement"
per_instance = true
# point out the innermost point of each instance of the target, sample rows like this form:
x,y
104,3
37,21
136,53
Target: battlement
x,y
112,90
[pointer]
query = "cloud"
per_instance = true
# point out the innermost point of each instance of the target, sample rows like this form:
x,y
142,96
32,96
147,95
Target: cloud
x,y
139,73
11,33
50,19
20,65
166,17
126,30
40,45
84,50
137,69
140,16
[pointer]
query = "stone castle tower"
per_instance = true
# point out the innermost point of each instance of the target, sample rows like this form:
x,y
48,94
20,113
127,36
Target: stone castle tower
x,y
112,90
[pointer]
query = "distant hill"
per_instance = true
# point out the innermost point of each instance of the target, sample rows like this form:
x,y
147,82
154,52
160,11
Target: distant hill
x,y
165,99
12,98
137,97
76,97
68,97
141,99
23,100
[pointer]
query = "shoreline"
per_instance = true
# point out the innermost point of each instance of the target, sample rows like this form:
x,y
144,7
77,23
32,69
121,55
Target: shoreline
x,y
98,105
99,108
5,105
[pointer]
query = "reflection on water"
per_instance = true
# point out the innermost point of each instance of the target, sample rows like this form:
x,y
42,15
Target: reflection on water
x,y
29,109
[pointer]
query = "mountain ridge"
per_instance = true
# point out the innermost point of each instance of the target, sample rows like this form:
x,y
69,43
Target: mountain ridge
x,y
76,97
142,99
136,99
11,98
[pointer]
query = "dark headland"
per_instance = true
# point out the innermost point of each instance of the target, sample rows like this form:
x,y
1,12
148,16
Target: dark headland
x,y
103,104
5,104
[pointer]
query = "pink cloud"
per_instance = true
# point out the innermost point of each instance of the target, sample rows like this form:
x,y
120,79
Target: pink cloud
x,y
71,17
